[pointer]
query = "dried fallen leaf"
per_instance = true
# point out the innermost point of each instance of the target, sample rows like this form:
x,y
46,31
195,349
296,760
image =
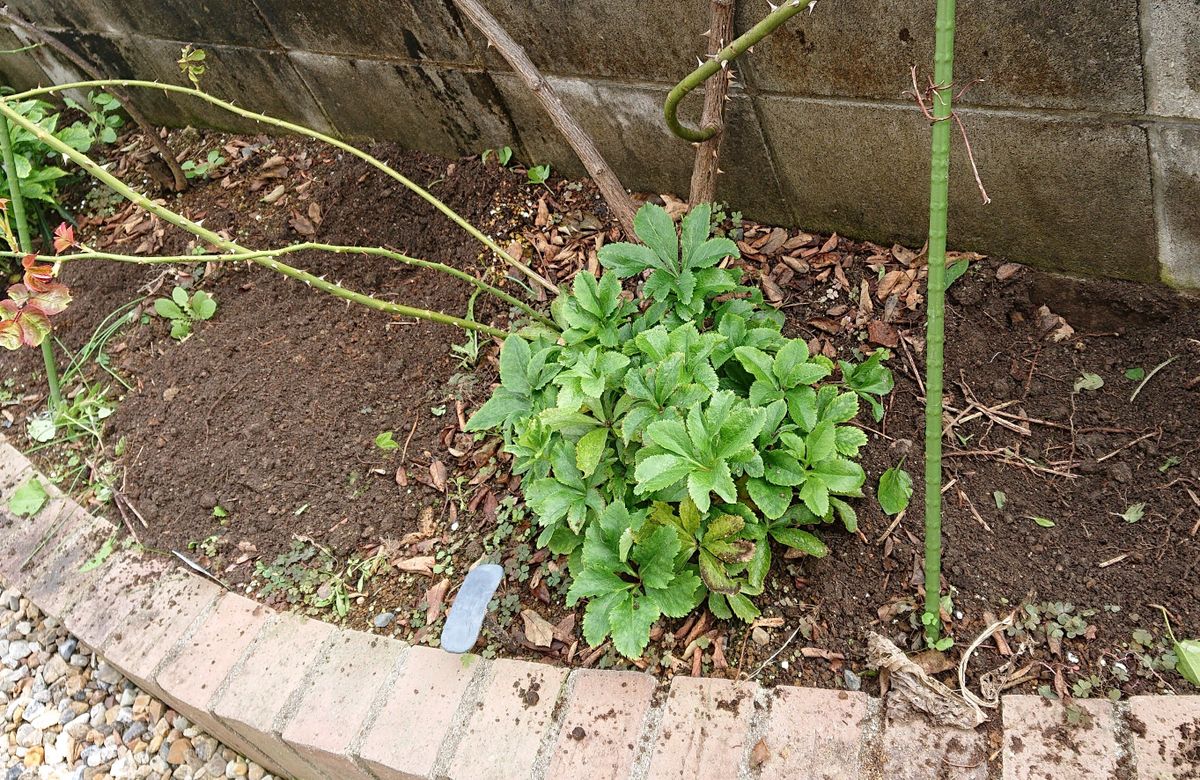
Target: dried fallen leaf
x,y
883,333
892,282
425,522
420,564
538,630
759,755
1007,271
434,598
437,473
302,225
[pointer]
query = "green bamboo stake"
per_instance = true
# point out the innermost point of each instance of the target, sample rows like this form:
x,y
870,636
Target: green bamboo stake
x,y
935,329
97,172
721,59
291,127
18,207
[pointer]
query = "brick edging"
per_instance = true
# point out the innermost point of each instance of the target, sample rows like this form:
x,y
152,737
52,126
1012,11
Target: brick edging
x,y
314,702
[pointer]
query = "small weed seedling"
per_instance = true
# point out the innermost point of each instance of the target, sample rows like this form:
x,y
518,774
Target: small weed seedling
x,y
503,155
191,64
386,441
183,311
538,174
204,168
895,490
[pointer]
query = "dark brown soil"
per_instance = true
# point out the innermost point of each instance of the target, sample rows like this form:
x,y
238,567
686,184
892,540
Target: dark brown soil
x,y
270,412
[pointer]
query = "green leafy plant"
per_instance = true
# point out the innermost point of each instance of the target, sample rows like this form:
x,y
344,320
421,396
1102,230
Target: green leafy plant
x,y
39,170
204,168
28,499
538,174
1132,513
386,441
895,490
1187,654
666,448
503,155
191,64
184,311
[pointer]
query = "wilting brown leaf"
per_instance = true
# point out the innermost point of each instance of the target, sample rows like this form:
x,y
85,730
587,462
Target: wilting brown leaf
x,y
820,652
302,225
402,477
826,324
437,473
564,631
675,207
425,522
1053,325
759,755
1007,271
830,244
883,333
892,282
933,662
434,598
771,290
314,214
774,242
903,254
538,630
420,564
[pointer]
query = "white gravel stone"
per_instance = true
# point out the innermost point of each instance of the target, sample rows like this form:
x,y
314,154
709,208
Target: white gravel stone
x,y
79,719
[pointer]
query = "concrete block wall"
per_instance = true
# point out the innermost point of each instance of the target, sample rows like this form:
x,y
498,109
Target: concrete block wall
x,y
1086,121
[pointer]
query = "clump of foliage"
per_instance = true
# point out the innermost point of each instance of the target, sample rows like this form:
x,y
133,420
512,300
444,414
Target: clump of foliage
x,y
665,447
184,311
26,310
37,169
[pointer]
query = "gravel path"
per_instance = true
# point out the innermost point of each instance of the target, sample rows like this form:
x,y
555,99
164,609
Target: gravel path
x,y
67,714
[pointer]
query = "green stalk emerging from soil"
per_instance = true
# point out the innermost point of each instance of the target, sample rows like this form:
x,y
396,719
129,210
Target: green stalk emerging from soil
x,y
18,207
454,217
216,240
935,333
731,52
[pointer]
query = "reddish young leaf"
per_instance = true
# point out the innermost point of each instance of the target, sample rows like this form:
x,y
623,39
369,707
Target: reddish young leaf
x,y
20,326
37,275
50,300
64,238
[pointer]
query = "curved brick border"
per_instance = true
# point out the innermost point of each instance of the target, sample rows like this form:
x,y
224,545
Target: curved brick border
x,y
315,702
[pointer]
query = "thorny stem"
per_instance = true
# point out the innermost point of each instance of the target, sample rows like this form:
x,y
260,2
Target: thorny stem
x,y
216,240
935,333
310,133
18,205
251,255
721,60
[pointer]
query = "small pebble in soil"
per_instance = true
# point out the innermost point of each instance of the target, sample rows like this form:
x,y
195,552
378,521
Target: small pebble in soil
x,y
384,619
853,681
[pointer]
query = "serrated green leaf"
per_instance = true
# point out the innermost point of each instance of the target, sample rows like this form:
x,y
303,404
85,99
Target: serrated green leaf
x,y
1088,381
589,450
655,557
1133,513
742,607
515,356
895,490
712,571
28,499
821,443
660,471
678,598
800,540
772,500
629,622
656,229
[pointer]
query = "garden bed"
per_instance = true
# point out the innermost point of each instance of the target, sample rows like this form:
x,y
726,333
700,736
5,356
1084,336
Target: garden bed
x,y
252,448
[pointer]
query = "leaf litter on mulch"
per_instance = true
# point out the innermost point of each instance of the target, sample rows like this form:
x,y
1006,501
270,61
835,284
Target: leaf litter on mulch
x,y
271,412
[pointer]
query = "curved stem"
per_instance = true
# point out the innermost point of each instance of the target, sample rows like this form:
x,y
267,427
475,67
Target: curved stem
x,y
731,52
935,336
250,255
85,162
18,206
310,133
